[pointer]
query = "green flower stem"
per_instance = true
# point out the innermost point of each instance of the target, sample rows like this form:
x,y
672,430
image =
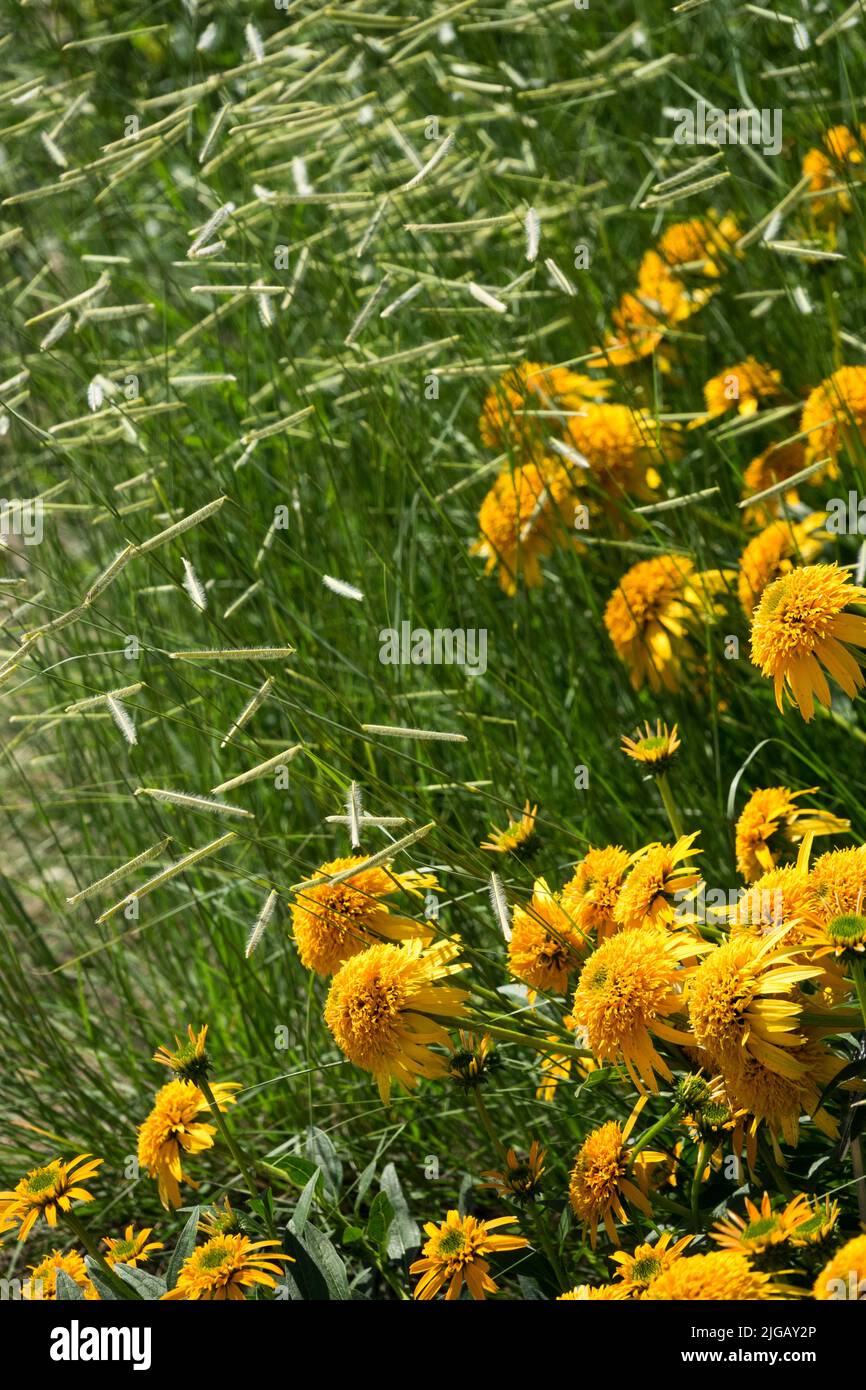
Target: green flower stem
x,y
858,974
227,1138
484,1116
704,1151
121,1288
526,1040
548,1247
670,805
647,1138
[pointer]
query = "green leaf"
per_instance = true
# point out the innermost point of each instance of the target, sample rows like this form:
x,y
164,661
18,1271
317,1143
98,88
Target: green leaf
x,y
66,1287
305,1201
183,1249
380,1218
404,1234
351,1235
318,1272
322,1152
145,1285
364,1182
100,1283
332,1267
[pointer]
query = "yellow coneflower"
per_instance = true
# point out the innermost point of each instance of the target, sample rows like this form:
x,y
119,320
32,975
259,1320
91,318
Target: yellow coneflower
x,y
382,1009
506,419
220,1220
701,243
47,1192
472,1062
545,945
800,626
818,1225
520,1179
781,897
741,387
225,1267
776,463
650,614
776,551
771,822
132,1248
518,837
719,1276
189,1061
627,991
818,167
455,1253
586,1293
173,1129
655,749
778,1102
843,1278
41,1285
658,885
640,321
837,881
646,1262
761,1227
740,1003
523,515
834,415
590,896
335,921
599,1186
623,447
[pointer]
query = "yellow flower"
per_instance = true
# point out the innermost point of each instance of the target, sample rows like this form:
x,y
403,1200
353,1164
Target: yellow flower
x,y
585,1293
779,1101
642,319
718,1276
521,517
740,1005
844,1277
776,463
225,1267
649,615
220,1220
471,1063
522,1174
545,944
173,1129
627,990
623,447
647,1262
599,1185
132,1249
591,894
701,243
47,1192
334,921
382,1009
838,882
189,1061
834,415
818,1225
658,885
761,1227
655,750
518,837
42,1284
776,551
743,386
506,419
456,1253
771,821
800,626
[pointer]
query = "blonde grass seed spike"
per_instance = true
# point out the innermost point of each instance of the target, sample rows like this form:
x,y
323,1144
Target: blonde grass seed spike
x,y
233,654
116,874
261,923
382,857
261,770
166,875
249,710
399,731
192,803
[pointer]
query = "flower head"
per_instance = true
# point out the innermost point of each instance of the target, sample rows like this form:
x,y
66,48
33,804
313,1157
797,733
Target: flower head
x,y
508,419
843,1278
472,1063
47,1192
41,1286
521,517
522,1174
225,1267
650,614
834,415
220,1219
623,447
801,627
590,896
656,750
761,1227
646,1262
545,945
455,1253
771,821
742,387
587,1293
518,837
133,1248
774,465
189,1061
627,992
776,551
657,887
719,1276
643,317
382,1009
599,1185
701,243
173,1129
334,921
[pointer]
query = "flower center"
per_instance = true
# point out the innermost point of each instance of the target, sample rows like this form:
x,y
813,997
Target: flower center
x,y
452,1243
213,1259
764,1226
40,1180
645,1269
847,930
